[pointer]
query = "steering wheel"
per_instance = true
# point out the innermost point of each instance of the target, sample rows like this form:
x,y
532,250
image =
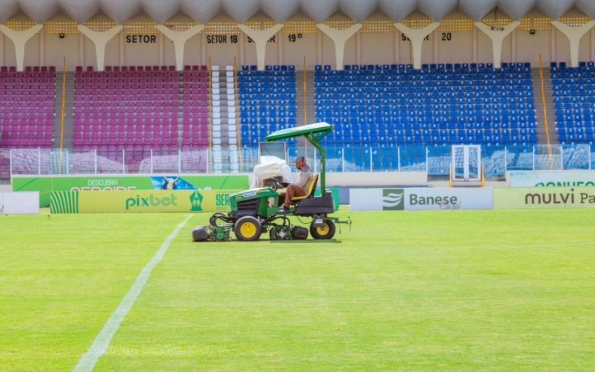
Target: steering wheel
x,y
278,184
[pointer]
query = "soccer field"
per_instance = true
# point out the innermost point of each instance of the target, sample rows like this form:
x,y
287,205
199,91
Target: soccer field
x,y
410,291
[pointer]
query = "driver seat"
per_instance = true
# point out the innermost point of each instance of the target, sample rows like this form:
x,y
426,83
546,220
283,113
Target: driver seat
x,y
310,193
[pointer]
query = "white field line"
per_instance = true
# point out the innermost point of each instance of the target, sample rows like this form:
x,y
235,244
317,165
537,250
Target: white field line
x,y
103,339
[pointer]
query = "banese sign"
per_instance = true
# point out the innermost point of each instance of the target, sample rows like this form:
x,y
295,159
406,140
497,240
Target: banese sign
x,y
552,179
399,199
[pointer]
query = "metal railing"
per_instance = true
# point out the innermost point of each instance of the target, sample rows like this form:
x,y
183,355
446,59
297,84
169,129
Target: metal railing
x,y
435,160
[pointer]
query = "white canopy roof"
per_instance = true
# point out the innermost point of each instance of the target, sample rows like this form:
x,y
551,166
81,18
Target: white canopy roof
x,y
281,10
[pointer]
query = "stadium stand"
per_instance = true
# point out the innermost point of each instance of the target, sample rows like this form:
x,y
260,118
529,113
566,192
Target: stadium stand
x,y
195,100
574,101
27,110
376,108
137,109
267,102
386,117
28,106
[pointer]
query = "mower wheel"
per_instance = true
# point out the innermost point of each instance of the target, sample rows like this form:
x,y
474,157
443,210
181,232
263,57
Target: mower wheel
x,y
247,228
327,231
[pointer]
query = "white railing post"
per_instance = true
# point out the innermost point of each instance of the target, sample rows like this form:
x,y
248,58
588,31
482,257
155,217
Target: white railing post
x,y
208,160
123,161
95,151
11,162
562,157
343,159
39,160
399,158
151,162
179,160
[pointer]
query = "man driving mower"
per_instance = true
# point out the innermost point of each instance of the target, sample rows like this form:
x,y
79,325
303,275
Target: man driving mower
x,y
299,188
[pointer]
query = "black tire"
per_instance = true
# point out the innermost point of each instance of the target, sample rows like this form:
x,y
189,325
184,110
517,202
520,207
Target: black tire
x,y
247,229
325,232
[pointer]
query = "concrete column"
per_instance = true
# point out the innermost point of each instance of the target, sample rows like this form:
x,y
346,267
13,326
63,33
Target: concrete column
x,y
242,42
100,39
574,35
417,36
41,49
81,50
339,37
203,49
122,42
180,38
358,49
20,38
474,45
261,38
553,44
319,48
161,49
397,48
1,51
497,37
435,42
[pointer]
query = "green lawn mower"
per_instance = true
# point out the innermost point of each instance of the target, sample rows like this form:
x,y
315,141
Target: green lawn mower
x,y
256,211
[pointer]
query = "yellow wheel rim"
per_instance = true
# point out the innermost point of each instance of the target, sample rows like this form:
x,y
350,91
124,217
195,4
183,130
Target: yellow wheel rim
x,y
248,229
323,230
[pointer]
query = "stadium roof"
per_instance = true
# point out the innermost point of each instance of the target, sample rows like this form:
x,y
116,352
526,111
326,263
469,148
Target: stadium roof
x,y
281,10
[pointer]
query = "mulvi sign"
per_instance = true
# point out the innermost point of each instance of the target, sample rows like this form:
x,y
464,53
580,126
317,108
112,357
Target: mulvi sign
x,y
399,199
552,179
544,198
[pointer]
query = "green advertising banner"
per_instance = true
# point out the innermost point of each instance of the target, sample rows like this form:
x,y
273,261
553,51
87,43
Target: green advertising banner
x,y
158,201
47,184
135,201
544,198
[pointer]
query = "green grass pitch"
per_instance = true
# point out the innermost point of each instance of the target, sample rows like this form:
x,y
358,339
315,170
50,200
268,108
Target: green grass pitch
x,y
401,291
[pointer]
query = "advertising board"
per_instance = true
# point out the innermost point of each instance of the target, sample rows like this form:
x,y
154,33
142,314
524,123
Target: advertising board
x,y
126,183
544,198
19,202
552,179
399,199
158,201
